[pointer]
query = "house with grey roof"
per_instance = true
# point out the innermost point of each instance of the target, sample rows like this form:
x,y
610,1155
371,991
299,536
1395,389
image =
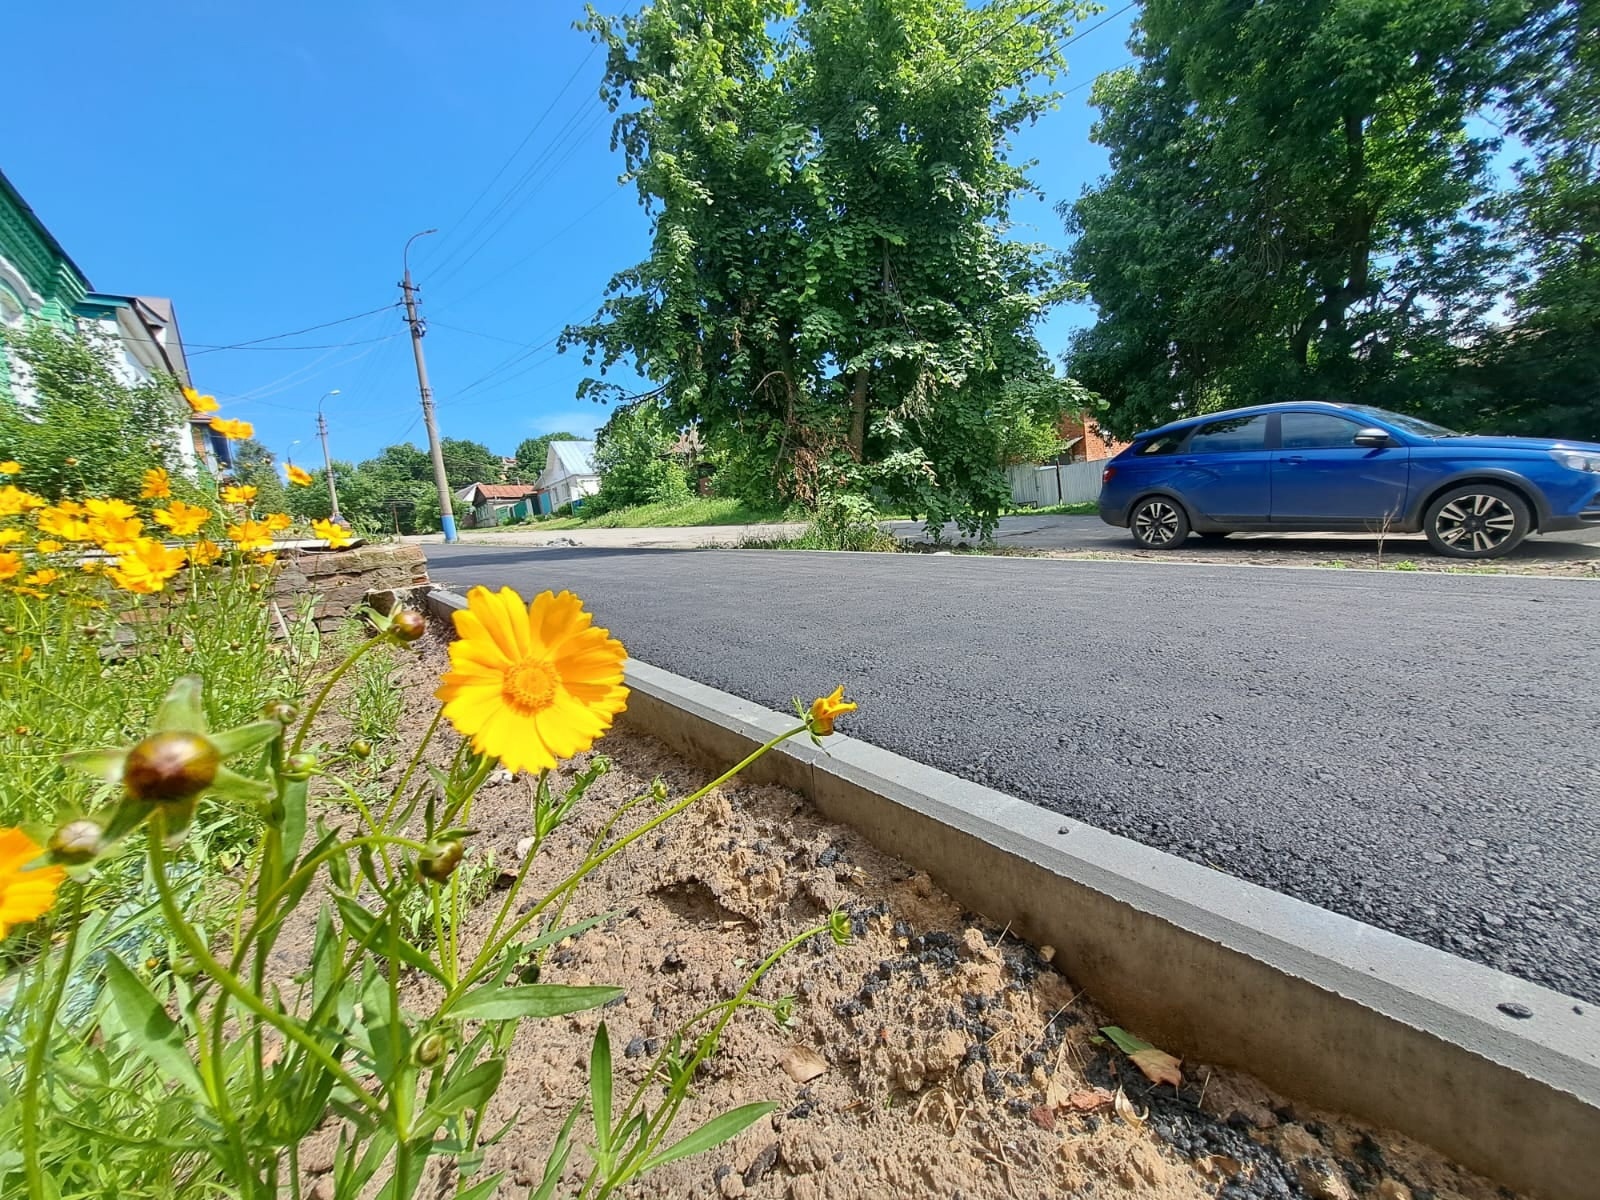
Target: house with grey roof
x,y
569,475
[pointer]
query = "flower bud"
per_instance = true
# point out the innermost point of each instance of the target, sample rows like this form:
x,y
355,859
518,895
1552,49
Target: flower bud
x,y
77,841
173,765
430,1050
280,711
300,766
440,862
408,625
361,748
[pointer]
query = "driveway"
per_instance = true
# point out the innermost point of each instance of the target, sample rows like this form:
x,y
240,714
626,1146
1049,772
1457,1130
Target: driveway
x,y
1416,751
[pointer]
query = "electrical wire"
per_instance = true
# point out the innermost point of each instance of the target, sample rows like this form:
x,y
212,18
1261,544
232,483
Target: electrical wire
x,y
211,349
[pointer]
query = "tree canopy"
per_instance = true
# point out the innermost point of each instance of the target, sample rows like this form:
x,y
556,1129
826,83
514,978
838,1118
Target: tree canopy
x,y
533,453
833,289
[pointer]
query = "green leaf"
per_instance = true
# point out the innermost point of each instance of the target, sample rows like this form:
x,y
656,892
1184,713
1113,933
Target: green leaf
x,y
152,1031
483,1189
600,1092
495,1003
713,1133
104,765
365,927
1124,1040
560,1151
245,737
182,709
293,829
230,785
472,1090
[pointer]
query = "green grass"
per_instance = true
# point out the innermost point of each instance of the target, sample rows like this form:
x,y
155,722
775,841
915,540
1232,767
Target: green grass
x,y
680,513
1083,508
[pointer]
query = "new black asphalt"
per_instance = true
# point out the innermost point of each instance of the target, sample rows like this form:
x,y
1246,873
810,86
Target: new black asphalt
x,y
1421,752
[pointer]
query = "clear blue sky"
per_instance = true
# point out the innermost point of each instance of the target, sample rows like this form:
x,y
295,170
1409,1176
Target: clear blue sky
x,y
263,165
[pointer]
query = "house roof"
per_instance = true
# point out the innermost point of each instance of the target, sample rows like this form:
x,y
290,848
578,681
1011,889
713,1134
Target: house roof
x,y
499,491
9,190
575,458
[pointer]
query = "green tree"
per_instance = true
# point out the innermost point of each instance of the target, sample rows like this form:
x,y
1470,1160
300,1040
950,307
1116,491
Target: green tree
x,y
832,278
254,464
1295,203
467,462
83,429
532,454
633,456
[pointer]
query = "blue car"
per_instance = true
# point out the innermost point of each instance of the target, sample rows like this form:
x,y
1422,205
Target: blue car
x,y
1319,467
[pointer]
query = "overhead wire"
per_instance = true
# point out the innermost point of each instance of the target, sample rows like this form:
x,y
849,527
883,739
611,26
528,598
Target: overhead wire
x,y
211,349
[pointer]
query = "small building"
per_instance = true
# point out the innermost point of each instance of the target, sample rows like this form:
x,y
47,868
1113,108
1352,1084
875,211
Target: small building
x,y
489,504
1084,440
569,475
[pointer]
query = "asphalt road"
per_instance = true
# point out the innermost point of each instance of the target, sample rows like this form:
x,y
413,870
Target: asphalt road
x,y
1421,752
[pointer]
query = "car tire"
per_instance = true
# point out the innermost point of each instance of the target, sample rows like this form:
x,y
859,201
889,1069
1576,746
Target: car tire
x,y
1477,520
1158,523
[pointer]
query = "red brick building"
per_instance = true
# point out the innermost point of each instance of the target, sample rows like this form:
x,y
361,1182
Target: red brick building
x,y
1085,441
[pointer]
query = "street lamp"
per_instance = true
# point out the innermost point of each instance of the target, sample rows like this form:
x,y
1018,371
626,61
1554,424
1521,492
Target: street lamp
x,y
287,460
327,460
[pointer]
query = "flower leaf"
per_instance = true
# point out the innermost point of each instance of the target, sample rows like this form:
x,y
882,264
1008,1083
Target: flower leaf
x,y
494,1003
105,765
181,709
154,1033
245,737
713,1133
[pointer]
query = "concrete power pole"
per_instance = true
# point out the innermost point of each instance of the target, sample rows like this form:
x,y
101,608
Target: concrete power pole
x,y
447,518
327,461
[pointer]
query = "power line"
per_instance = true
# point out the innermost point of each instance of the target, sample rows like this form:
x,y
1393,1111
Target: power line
x,y
293,332
316,346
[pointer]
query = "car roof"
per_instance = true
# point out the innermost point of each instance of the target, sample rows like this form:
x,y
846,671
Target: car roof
x,y
1251,410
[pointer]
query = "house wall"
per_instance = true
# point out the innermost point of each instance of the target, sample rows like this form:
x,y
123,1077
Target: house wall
x,y
1092,443
573,487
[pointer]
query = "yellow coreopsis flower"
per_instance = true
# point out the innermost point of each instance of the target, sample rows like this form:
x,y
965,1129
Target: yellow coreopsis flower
x,y
10,563
204,552
234,431
48,546
63,522
198,403
238,493
26,892
297,476
251,535
10,536
116,535
277,522
14,500
10,467
41,579
101,507
531,683
335,535
183,519
146,567
157,484
825,710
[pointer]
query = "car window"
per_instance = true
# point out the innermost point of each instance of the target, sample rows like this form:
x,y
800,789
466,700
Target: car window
x,y
1409,424
1316,431
1230,434
1165,443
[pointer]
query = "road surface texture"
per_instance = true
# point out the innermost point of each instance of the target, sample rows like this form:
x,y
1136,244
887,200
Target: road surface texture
x,y
1416,751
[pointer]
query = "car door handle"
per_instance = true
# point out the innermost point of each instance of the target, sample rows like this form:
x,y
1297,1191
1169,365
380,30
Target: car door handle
x,y
1293,458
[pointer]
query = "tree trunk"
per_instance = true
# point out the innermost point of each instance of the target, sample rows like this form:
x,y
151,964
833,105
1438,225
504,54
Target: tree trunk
x,y
858,416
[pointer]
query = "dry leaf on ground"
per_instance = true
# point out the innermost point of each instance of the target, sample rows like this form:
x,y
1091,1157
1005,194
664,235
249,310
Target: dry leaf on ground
x,y
802,1064
1158,1066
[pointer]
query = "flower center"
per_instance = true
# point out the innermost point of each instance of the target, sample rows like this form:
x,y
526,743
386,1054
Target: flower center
x,y
530,686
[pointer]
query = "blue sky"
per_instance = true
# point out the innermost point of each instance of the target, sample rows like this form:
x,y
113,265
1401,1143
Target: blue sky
x,y
263,166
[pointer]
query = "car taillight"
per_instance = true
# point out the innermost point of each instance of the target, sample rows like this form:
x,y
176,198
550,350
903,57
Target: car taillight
x,y
1105,476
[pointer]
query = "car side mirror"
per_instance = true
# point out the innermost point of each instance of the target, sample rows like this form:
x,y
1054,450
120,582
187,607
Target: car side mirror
x,y
1373,437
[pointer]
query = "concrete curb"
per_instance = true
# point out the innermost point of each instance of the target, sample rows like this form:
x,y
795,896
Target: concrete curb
x,y
1328,1010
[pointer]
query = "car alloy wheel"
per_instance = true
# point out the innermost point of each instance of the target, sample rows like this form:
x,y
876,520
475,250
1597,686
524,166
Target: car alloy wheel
x,y
1159,523
1477,523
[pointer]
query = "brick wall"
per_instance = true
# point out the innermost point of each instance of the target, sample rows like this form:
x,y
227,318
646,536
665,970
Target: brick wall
x,y
1092,444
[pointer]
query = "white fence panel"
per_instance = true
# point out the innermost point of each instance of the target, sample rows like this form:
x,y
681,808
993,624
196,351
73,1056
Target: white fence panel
x,y
1074,483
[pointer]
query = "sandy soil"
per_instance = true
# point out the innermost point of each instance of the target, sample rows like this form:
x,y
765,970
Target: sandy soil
x,y
951,1059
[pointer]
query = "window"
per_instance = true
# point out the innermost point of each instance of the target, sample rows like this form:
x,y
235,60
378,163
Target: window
x,y
1409,424
1163,443
1317,431
1230,435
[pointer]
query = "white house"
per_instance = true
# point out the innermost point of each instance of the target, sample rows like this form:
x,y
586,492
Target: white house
x,y
568,473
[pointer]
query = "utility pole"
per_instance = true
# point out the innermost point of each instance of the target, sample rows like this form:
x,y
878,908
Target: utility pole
x,y
447,517
327,461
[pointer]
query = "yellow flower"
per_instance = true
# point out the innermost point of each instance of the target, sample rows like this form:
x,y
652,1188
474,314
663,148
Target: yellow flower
x,y
10,467
157,484
265,559
297,476
238,493
24,894
48,546
183,519
199,403
531,684
234,431
277,522
63,522
825,710
116,535
10,563
14,500
251,535
204,552
146,567
42,578
334,535
10,536
98,507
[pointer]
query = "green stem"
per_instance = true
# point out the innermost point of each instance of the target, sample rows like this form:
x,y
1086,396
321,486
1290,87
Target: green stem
x,y
400,788
229,982
350,660
32,1122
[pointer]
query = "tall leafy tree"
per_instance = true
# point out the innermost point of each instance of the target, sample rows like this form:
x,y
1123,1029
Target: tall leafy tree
x,y
832,280
254,464
1296,201
467,462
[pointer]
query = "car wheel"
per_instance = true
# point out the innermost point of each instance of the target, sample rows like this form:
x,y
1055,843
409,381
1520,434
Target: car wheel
x,y
1158,523
1477,520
